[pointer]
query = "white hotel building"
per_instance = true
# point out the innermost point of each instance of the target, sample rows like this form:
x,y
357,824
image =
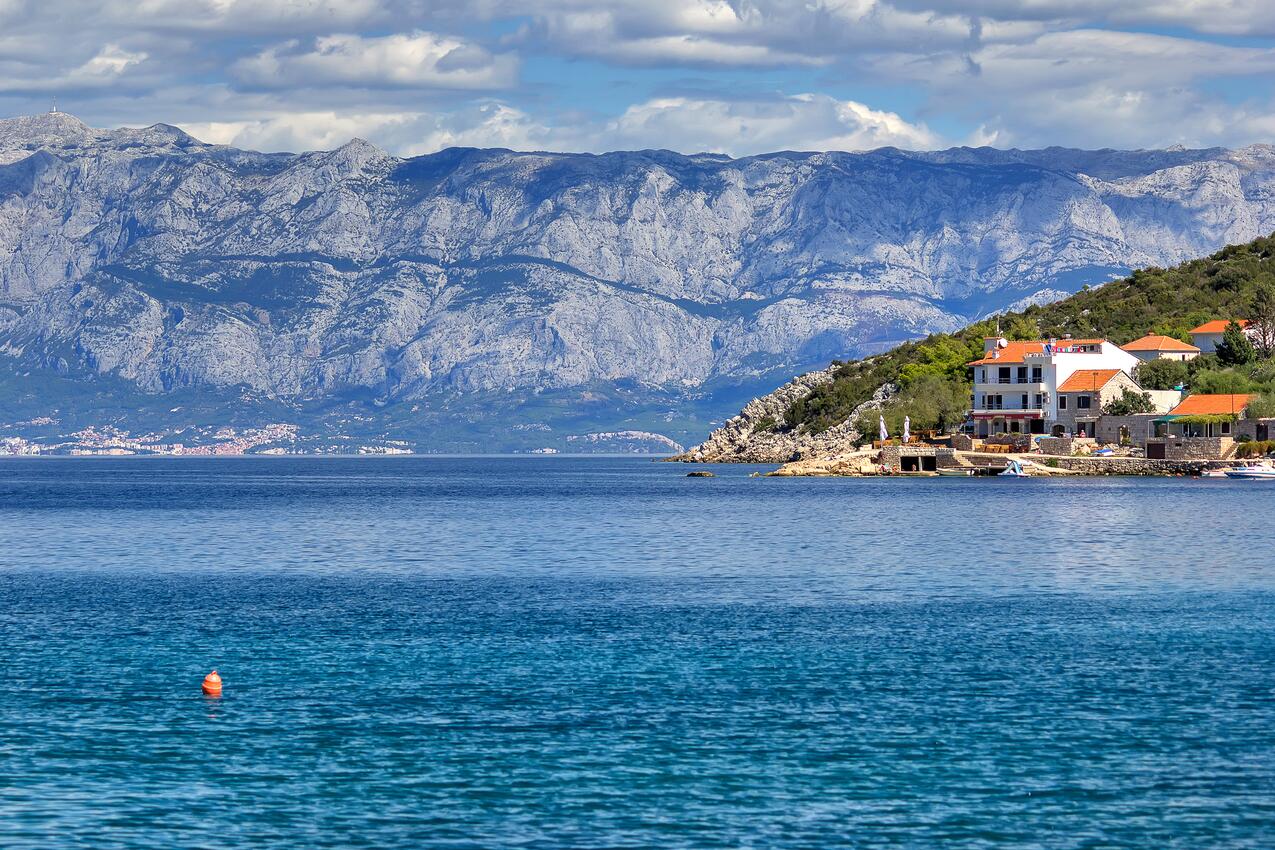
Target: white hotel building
x,y
1016,383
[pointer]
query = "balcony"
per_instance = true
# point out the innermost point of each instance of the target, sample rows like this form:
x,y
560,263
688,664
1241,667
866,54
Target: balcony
x,y
1012,411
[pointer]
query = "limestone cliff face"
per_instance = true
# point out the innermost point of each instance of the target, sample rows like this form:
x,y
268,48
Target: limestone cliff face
x,y
751,436
153,257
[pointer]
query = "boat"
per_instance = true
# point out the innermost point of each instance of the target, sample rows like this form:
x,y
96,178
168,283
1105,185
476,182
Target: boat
x,y
956,472
1014,469
1253,471
1216,473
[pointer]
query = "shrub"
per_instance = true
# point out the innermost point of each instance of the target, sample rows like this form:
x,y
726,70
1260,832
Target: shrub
x,y
1162,374
1255,448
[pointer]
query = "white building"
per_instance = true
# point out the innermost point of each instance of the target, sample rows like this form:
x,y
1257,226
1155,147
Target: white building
x,y
1208,335
1016,383
1158,347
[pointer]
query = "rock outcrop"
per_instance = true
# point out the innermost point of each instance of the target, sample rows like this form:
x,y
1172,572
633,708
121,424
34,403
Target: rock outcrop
x,y
758,434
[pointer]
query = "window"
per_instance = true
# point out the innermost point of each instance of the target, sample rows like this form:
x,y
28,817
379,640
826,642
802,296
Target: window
x,y
982,376
1082,402
1004,375
1226,428
1040,401
1062,402
1024,407
1022,374
1036,375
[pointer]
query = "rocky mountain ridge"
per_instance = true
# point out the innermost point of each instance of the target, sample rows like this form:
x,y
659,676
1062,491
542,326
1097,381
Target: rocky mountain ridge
x,y
654,290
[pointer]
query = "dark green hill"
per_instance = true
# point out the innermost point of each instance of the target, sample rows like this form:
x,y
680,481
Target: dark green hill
x,y
934,380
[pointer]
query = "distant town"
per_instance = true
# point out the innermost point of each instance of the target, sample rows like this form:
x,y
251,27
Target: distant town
x,y
273,439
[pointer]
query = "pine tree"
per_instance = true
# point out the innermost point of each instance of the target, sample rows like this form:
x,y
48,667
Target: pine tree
x,y
1235,348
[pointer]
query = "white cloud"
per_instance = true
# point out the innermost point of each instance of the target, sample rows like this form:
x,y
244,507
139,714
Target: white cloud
x,y
489,124
414,60
1229,17
800,122
696,74
1092,88
248,15
753,33
100,70
111,61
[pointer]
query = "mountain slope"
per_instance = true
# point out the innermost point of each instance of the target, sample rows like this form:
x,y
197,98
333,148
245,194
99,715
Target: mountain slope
x,y
820,413
664,287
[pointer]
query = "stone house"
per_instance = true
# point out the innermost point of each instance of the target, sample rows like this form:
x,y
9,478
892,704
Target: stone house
x,y
1201,427
1082,396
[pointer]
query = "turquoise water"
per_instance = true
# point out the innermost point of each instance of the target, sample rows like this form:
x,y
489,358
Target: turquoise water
x,y
562,652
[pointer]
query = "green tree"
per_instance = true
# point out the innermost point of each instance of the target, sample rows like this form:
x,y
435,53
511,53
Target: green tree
x,y
1222,382
1022,327
1262,407
1129,403
1262,317
1235,348
1161,374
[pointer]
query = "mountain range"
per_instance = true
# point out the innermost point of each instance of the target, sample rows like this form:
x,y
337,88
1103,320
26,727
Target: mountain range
x,y
499,300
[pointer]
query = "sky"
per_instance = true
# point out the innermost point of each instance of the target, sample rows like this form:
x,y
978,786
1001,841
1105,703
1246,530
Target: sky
x,y
728,76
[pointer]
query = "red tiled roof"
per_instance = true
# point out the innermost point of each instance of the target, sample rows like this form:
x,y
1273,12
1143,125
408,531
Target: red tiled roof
x,y
1014,351
1158,342
1090,380
1211,405
1217,326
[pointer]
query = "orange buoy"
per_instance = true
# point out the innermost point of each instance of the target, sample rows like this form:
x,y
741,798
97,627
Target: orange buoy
x,y
212,684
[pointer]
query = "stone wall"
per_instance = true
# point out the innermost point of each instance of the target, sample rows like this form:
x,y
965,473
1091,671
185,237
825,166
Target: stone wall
x,y
1254,429
1129,466
1141,428
1063,445
892,457
1196,448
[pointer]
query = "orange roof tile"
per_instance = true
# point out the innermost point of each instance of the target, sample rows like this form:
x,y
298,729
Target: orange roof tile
x,y
1158,342
1211,405
1090,380
1217,326
1014,352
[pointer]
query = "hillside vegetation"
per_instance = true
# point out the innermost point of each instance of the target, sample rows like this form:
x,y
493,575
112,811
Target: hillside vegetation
x,y
1237,282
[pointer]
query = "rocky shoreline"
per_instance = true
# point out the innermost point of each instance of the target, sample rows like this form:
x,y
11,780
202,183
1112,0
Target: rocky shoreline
x,y
756,434
869,463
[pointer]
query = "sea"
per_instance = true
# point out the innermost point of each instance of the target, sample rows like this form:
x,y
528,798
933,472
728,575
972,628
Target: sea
x,y
600,652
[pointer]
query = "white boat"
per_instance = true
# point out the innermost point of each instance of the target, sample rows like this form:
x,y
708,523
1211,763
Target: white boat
x,y
1256,471
1215,473
957,471
1014,469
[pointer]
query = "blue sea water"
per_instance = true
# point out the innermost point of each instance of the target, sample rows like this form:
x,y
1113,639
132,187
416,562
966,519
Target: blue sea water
x,y
603,653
